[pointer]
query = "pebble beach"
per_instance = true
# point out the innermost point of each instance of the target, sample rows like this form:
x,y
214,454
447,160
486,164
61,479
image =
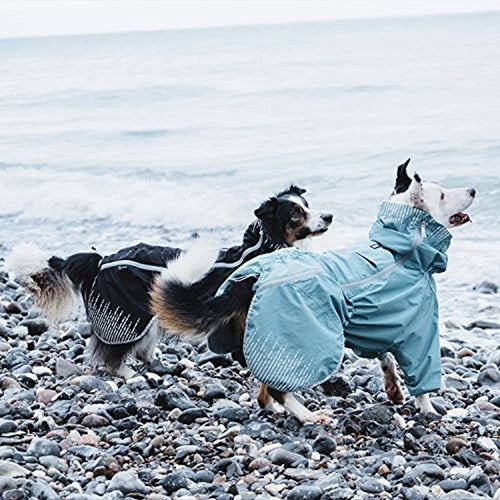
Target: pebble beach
x,y
188,426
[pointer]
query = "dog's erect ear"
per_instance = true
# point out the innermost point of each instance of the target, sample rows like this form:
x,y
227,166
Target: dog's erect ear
x,y
267,210
403,181
416,191
296,189
293,189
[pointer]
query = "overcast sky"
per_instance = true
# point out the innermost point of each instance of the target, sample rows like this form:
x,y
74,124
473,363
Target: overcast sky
x,y
60,17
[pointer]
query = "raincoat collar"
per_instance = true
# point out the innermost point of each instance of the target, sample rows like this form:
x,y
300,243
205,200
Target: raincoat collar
x,y
413,234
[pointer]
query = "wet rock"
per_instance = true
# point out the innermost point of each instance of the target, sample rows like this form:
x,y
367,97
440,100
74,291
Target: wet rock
x,y
184,451
282,456
234,414
7,426
484,325
490,377
486,287
452,484
371,485
89,383
13,308
65,368
454,381
222,360
191,414
213,391
454,444
337,386
480,482
173,398
45,396
41,489
423,472
7,483
127,483
305,492
94,421
11,469
494,358
174,481
35,326
40,447
324,445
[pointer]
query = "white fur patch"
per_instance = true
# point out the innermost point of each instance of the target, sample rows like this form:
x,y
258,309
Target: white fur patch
x,y
192,265
26,259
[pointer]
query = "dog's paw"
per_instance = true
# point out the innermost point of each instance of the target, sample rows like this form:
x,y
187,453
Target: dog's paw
x,y
394,391
323,417
274,407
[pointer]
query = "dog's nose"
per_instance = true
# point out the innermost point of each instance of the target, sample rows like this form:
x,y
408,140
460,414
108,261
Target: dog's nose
x,y
472,192
327,217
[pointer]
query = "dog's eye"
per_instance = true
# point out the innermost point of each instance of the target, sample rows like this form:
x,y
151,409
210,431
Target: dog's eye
x,y
296,217
442,196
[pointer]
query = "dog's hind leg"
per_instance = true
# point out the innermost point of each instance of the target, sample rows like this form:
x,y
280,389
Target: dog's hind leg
x,y
298,410
423,403
144,348
392,383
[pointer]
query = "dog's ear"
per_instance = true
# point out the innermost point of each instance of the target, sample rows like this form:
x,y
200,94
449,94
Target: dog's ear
x,y
296,189
267,210
416,191
403,181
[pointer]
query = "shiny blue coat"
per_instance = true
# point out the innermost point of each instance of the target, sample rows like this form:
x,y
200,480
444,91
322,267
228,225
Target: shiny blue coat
x,y
376,297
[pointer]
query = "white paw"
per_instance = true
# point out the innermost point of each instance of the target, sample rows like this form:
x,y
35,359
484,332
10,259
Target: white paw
x,y
321,417
274,406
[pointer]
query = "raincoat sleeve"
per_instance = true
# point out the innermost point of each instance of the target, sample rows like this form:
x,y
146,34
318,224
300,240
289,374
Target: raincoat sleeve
x,y
419,354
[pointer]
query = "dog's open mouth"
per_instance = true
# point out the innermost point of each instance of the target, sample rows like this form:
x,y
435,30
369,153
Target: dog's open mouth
x,y
319,231
459,219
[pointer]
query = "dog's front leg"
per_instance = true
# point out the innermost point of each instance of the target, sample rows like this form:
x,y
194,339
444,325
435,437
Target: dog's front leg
x,y
267,402
392,383
423,403
297,409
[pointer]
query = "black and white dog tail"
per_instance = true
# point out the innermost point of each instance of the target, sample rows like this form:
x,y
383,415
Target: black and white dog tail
x,y
55,283
177,304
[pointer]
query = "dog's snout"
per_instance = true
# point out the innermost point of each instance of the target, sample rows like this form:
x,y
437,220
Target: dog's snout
x,y
472,192
327,218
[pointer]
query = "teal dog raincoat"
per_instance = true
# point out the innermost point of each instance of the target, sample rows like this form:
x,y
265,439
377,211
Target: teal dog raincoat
x,y
374,298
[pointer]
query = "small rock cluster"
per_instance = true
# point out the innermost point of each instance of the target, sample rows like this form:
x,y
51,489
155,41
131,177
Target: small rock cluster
x,y
188,427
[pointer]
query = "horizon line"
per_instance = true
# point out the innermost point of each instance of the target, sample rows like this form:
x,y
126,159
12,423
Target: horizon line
x,y
255,24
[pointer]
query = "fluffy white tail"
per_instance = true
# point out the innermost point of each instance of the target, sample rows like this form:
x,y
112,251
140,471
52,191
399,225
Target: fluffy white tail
x,y
26,259
192,265
52,290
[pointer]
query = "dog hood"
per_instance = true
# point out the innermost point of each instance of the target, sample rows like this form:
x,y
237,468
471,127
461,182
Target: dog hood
x,y
375,297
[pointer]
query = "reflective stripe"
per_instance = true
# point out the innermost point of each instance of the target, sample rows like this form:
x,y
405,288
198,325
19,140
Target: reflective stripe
x,y
132,263
417,239
242,258
292,279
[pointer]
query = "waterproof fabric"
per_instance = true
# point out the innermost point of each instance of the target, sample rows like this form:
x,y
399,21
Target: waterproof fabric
x,y
376,297
117,303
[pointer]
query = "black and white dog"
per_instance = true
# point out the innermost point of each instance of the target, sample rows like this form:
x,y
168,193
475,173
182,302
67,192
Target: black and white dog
x,y
116,288
292,313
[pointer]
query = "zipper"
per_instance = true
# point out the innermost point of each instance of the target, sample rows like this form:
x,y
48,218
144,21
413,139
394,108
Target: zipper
x,y
417,239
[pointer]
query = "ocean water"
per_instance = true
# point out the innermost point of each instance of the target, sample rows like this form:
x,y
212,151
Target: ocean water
x,y
108,140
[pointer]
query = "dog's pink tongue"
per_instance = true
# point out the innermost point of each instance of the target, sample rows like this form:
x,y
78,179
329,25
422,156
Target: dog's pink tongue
x,y
459,218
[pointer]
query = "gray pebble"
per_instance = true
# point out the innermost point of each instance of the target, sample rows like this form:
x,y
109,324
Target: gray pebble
x,y
127,483
40,447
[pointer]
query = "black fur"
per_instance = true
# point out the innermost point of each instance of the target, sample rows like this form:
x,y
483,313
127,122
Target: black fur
x,y
403,181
